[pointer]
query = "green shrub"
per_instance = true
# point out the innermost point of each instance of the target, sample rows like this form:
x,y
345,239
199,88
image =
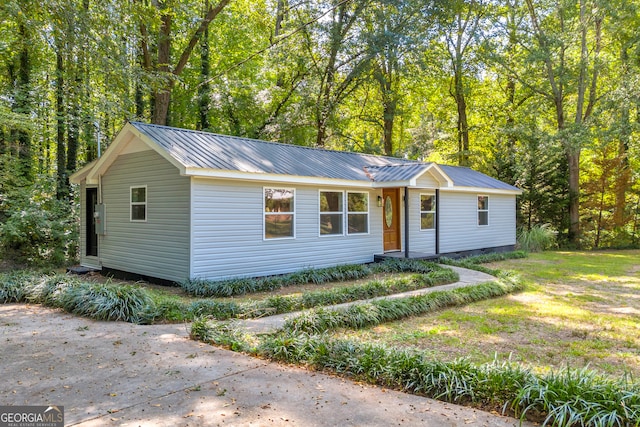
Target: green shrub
x,y
537,238
37,227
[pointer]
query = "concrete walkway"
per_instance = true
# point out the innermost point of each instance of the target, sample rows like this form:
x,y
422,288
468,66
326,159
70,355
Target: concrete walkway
x,y
466,278
119,374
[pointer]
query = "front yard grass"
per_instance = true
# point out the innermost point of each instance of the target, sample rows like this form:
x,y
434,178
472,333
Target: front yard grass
x,y
579,309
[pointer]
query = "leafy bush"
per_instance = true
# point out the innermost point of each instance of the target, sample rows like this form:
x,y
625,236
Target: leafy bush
x,y
241,286
37,227
537,238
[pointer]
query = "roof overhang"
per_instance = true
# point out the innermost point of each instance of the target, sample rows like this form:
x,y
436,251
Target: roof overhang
x,y
126,136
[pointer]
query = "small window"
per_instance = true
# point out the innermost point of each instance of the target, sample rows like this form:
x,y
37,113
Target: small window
x,y
138,203
279,213
483,210
331,213
427,212
358,213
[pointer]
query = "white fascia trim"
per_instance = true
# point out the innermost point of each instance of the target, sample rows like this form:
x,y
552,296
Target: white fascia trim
x,y
272,177
395,184
483,190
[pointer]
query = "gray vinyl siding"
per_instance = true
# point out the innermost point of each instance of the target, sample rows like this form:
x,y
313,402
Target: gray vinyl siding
x,y
419,240
459,230
158,247
227,233
427,180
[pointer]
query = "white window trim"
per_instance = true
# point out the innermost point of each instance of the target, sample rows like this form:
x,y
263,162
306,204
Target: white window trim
x,y
357,212
264,214
433,212
145,203
482,210
342,212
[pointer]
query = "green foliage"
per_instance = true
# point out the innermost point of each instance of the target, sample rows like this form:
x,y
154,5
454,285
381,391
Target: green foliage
x,y
566,398
385,310
537,238
225,288
36,226
580,397
227,334
95,300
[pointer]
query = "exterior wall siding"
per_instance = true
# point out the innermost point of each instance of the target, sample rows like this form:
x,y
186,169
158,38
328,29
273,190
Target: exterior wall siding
x,y
419,240
459,230
158,247
427,180
227,233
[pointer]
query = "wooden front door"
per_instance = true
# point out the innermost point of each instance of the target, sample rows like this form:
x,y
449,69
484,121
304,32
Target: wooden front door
x,y
391,219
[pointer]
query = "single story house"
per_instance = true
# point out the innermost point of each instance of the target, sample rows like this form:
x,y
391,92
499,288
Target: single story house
x,y
172,204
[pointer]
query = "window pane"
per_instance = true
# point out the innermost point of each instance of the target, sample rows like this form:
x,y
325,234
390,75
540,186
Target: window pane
x,y
330,201
358,223
483,218
427,203
427,221
278,200
139,194
331,224
138,212
277,226
483,203
358,202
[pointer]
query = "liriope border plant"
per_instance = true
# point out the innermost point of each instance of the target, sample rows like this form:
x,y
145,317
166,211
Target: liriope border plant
x,y
241,286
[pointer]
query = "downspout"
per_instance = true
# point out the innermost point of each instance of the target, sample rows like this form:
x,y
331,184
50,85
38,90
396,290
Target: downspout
x,y
437,221
406,222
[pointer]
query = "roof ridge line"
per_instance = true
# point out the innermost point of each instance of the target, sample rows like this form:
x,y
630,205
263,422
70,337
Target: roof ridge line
x,y
406,161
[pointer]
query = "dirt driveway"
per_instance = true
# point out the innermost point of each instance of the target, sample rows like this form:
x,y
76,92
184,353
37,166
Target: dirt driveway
x,y
113,373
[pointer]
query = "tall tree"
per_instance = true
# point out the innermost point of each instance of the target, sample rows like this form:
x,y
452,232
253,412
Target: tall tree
x,y
460,31
568,44
163,61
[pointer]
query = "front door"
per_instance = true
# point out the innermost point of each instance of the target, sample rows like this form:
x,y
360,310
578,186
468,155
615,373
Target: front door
x,y
391,219
91,236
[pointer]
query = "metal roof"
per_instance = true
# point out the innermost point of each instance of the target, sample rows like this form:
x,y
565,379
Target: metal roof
x,y
203,150
466,177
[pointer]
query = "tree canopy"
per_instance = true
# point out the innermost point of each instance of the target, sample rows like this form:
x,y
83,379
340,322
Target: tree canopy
x,y
541,94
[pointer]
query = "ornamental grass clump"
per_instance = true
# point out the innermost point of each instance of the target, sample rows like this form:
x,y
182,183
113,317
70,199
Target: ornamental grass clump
x,y
109,302
14,286
97,301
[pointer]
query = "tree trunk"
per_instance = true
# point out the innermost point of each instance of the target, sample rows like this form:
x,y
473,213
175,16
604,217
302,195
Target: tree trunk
x,y
61,188
389,114
204,89
463,124
162,96
22,105
623,175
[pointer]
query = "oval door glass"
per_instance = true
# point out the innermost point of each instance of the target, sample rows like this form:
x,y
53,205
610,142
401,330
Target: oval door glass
x,y
388,211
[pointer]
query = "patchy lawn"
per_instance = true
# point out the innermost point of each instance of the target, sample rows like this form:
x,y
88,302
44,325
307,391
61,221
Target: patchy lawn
x,y
580,308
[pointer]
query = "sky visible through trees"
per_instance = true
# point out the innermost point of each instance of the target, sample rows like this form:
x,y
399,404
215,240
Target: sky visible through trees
x,y
541,94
